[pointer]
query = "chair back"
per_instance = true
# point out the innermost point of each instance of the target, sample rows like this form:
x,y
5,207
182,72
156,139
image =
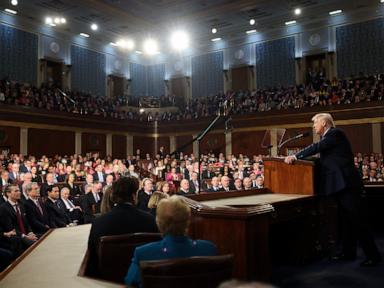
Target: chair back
x,y
201,272
115,253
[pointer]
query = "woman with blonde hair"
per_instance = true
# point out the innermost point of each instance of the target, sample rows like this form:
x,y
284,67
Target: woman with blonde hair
x,y
163,186
106,203
154,201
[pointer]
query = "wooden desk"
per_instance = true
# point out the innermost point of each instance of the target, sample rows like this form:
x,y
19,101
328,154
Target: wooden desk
x,y
55,262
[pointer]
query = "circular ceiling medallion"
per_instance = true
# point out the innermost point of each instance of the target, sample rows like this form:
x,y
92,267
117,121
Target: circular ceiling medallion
x,y
239,54
54,47
314,39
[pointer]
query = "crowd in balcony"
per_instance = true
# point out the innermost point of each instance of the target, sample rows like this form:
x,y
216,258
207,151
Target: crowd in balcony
x,y
315,93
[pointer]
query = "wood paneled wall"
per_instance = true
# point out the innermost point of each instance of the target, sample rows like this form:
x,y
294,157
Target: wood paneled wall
x,y
360,136
10,139
248,143
213,142
145,144
119,146
93,142
50,142
181,141
240,79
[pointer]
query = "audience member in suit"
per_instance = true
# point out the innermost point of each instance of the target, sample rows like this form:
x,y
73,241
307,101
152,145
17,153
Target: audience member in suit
x,y
207,173
154,201
225,184
91,202
56,215
259,181
64,177
72,211
3,198
173,217
238,184
99,174
49,181
131,171
4,179
108,181
194,184
214,185
341,181
184,188
247,183
122,219
12,217
144,194
35,210
88,181
14,175
26,167
74,190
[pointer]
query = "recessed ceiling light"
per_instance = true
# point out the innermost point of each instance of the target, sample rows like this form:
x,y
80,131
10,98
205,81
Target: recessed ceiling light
x,y
214,30
381,1
48,20
14,2
251,31
150,46
84,35
10,11
335,12
252,22
57,20
63,20
290,22
94,26
216,39
297,11
179,40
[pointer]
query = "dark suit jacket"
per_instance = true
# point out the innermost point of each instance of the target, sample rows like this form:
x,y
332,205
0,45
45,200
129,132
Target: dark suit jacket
x,y
87,203
142,200
96,177
36,220
43,189
8,218
56,216
337,169
73,191
122,219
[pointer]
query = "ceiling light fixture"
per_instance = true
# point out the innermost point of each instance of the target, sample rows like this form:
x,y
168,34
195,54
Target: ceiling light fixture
x,y
252,22
63,20
335,12
290,22
150,46
57,20
214,30
179,40
10,11
14,2
251,31
94,27
84,35
216,39
297,11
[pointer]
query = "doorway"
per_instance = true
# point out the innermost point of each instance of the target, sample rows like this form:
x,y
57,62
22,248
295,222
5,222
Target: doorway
x,y
54,74
316,67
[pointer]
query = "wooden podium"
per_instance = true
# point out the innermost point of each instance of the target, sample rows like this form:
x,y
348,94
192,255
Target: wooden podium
x,y
254,224
297,178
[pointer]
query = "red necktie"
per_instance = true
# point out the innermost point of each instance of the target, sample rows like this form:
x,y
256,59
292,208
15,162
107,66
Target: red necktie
x,y
20,220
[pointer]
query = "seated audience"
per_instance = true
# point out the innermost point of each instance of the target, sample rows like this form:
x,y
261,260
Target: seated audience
x,y
73,212
35,210
214,185
123,218
238,184
91,202
56,214
173,217
184,188
144,194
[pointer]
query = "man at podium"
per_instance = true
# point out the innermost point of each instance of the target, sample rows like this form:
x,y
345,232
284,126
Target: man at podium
x,y
340,180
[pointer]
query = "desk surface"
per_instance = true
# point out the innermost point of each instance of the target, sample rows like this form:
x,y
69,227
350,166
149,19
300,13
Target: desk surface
x,y
55,262
253,200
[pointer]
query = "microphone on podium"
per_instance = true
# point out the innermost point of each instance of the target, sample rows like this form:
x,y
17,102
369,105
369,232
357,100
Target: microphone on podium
x,y
298,136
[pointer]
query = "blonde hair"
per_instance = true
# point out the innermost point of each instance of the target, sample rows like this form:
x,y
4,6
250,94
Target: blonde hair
x,y
155,199
106,203
173,216
326,117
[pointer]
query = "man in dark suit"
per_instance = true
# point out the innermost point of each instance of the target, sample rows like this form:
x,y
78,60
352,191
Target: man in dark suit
x,y
184,188
91,202
122,219
214,185
194,184
341,180
72,211
99,174
12,217
144,194
14,175
56,216
35,210
4,179
47,184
